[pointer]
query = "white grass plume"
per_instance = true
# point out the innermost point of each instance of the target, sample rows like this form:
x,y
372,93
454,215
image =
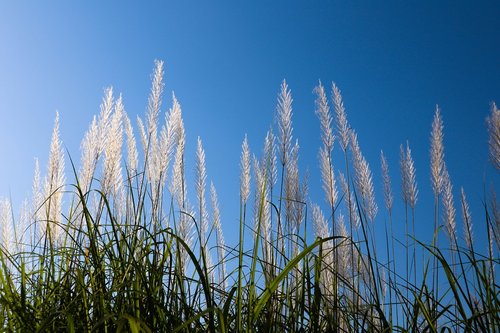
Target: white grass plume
x,y
6,225
90,155
142,134
467,219
262,209
270,158
494,131
490,252
325,117
105,118
259,181
284,119
23,227
132,155
155,98
262,213
292,190
408,176
169,137
54,183
449,207
322,230
177,185
37,203
325,153
245,171
94,141
341,118
201,176
344,254
221,246
328,176
350,204
388,197
496,216
295,191
320,224
112,182
437,153
178,191
149,134
185,230
363,179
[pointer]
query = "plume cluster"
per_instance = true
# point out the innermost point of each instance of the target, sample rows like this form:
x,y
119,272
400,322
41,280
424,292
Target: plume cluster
x,y
128,227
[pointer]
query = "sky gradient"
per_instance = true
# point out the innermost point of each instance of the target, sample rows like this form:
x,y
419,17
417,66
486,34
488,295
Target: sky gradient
x,y
225,61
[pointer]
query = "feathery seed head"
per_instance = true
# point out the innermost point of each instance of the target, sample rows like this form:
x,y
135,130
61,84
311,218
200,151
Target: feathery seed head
x,y
132,159
437,153
149,134
175,119
325,118
349,203
94,141
344,248
169,137
23,227
496,215
105,119
221,252
293,191
270,157
342,124
356,151
494,131
449,207
154,102
262,210
408,175
284,118
112,178
261,207
6,225
363,179
185,230
142,135
54,181
322,230
328,176
177,186
90,155
37,193
320,224
468,234
245,171
218,229
388,197
201,177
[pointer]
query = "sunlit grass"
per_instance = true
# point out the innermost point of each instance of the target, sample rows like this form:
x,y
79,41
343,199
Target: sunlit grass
x,y
127,251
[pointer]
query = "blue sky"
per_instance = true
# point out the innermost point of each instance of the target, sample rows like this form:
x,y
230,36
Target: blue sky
x,y
394,61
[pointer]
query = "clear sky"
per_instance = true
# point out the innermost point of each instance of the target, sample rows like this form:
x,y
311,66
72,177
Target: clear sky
x,y
393,60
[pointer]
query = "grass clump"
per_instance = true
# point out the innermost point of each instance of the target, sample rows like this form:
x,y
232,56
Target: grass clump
x,y
122,248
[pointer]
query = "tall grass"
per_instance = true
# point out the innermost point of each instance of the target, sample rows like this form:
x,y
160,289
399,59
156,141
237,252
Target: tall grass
x,y
120,246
